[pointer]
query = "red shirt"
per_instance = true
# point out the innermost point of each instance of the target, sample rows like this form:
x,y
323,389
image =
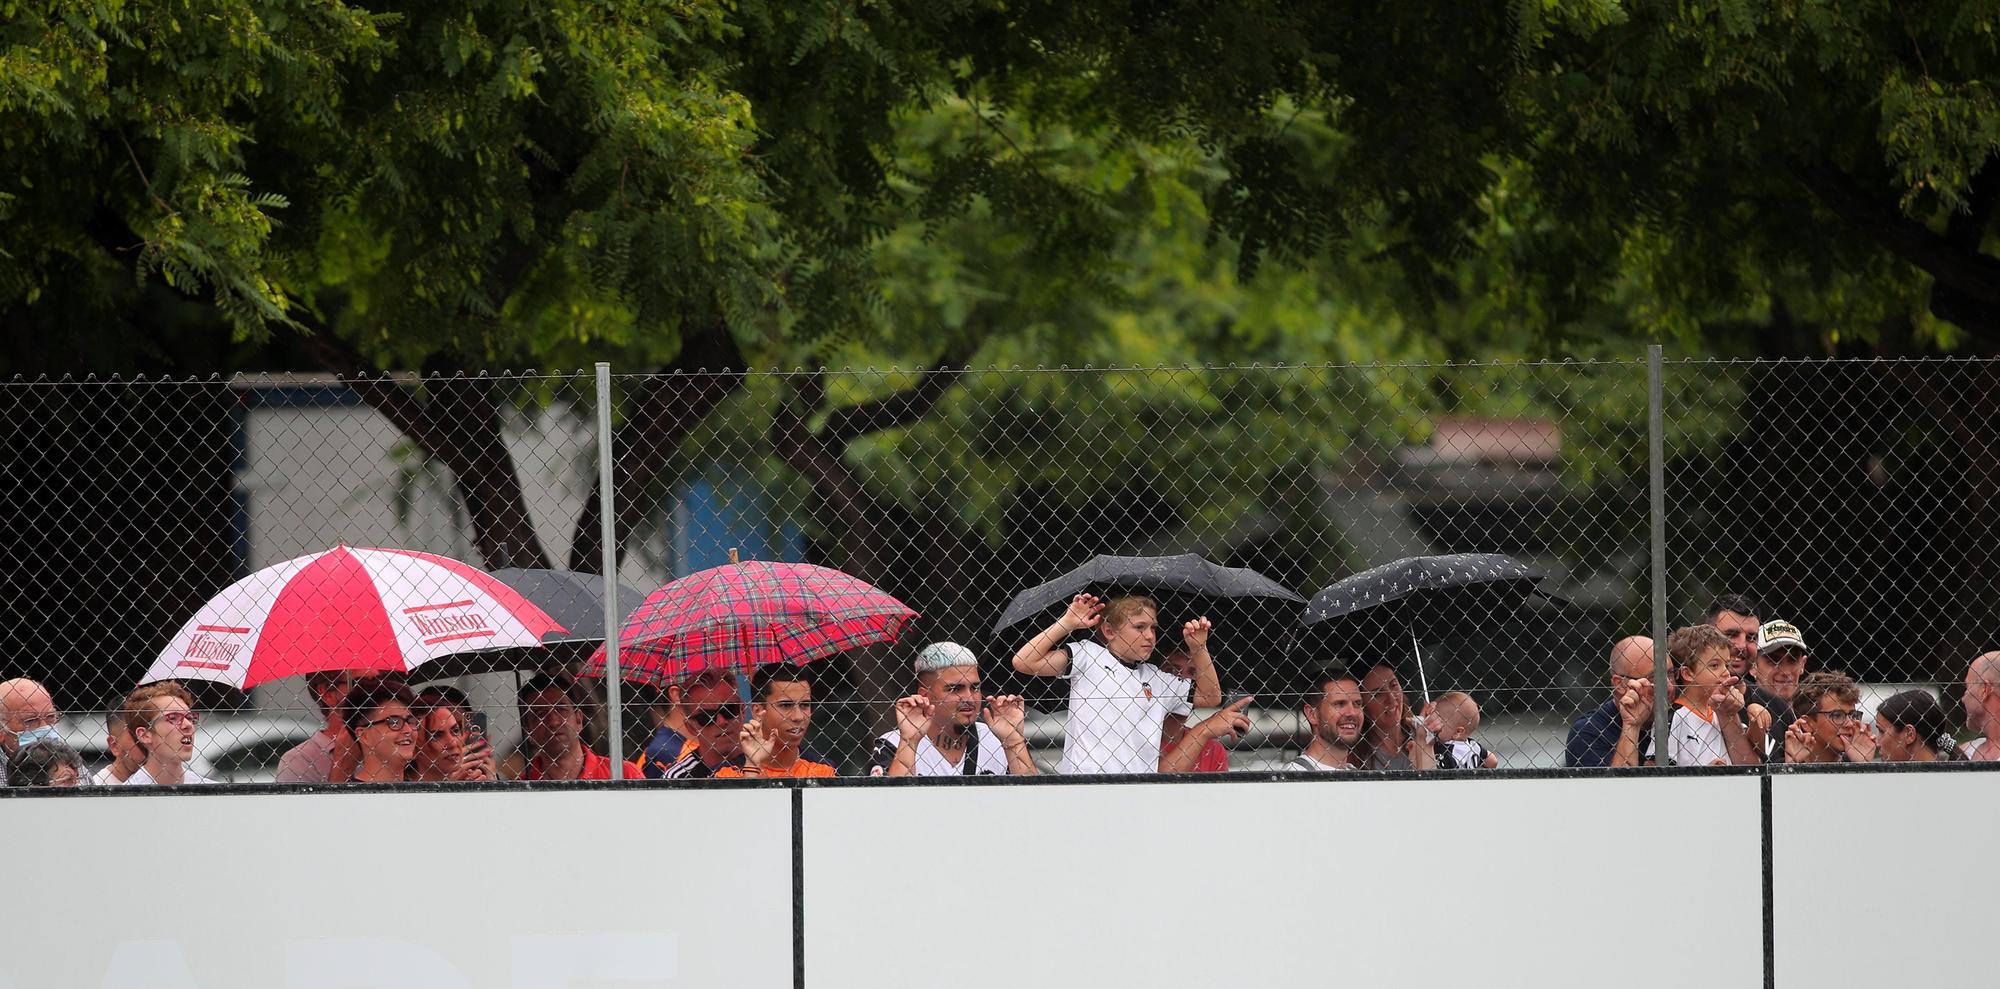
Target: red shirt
x,y
1213,758
595,767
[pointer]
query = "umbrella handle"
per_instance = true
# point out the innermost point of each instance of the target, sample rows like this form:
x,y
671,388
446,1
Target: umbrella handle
x,y
1423,682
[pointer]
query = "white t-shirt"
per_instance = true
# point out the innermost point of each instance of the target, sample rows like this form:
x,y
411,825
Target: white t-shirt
x,y
931,762
1115,712
140,777
1694,740
103,777
1307,764
1971,747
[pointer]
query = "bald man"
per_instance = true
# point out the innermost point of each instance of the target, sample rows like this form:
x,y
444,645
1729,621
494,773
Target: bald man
x,y
27,715
1982,705
1594,738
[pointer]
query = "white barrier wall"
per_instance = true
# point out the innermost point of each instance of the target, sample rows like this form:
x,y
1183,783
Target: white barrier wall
x,y
1884,879
1878,879
1547,882
634,887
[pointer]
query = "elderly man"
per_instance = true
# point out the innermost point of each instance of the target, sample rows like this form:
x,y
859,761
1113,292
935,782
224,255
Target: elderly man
x,y
1982,706
27,715
1624,722
939,730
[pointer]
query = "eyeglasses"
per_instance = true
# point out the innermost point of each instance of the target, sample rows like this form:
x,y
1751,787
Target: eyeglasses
x,y
33,721
180,719
709,716
1840,717
396,722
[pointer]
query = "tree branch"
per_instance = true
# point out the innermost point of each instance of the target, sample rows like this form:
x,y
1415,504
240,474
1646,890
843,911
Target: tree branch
x,y
900,409
1965,272
395,401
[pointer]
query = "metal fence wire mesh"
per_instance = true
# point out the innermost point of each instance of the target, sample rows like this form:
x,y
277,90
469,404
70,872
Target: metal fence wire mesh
x,y
393,527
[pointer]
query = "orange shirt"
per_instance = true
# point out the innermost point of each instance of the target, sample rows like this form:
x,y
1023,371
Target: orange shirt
x,y
800,769
595,767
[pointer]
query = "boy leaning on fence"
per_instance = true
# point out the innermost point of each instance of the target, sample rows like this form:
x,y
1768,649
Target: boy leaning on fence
x,y
1709,726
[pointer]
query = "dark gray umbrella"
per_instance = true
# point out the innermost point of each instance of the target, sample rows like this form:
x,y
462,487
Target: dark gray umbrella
x,y
574,600
1416,596
1184,573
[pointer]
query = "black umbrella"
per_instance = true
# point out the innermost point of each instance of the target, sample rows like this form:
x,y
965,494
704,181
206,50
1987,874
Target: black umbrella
x,y
574,600
1185,573
1418,595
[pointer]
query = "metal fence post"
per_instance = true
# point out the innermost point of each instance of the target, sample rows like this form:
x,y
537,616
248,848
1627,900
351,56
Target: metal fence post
x,y
1657,488
608,536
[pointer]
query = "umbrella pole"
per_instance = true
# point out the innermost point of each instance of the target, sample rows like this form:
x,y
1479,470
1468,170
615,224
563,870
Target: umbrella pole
x,y
1423,682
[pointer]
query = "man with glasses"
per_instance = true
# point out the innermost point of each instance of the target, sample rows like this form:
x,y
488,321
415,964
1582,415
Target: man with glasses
x,y
1621,726
27,715
1830,725
715,726
552,713
163,722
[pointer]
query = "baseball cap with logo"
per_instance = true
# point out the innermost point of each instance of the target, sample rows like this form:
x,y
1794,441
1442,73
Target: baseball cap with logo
x,y
1774,635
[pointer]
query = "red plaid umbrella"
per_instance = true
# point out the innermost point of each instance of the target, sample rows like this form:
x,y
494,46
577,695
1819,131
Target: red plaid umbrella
x,y
744,615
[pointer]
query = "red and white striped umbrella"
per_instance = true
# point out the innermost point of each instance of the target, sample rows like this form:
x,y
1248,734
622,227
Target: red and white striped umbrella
x,y
348,609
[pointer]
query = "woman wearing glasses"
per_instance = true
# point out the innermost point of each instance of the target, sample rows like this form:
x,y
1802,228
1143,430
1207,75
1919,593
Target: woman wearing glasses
x,y
163,722
380,713
1914,728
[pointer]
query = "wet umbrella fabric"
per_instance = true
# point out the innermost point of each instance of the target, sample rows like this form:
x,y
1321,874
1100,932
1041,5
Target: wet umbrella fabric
x,y
574,600
1185,573
1413,598
348,608
743,615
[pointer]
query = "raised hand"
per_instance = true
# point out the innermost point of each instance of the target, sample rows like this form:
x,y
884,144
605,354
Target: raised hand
x,y
1007,716
756,744
1085,611
1798,742
1230,721
1194,634
1861,747
1635,706
1433,722
1727,697
913,717
475,762
1760,725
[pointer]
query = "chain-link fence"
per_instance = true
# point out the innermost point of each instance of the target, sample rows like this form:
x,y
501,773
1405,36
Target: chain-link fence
x,y
223,534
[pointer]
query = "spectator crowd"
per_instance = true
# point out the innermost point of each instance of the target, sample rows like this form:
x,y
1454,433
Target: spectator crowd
x,y
1742,686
